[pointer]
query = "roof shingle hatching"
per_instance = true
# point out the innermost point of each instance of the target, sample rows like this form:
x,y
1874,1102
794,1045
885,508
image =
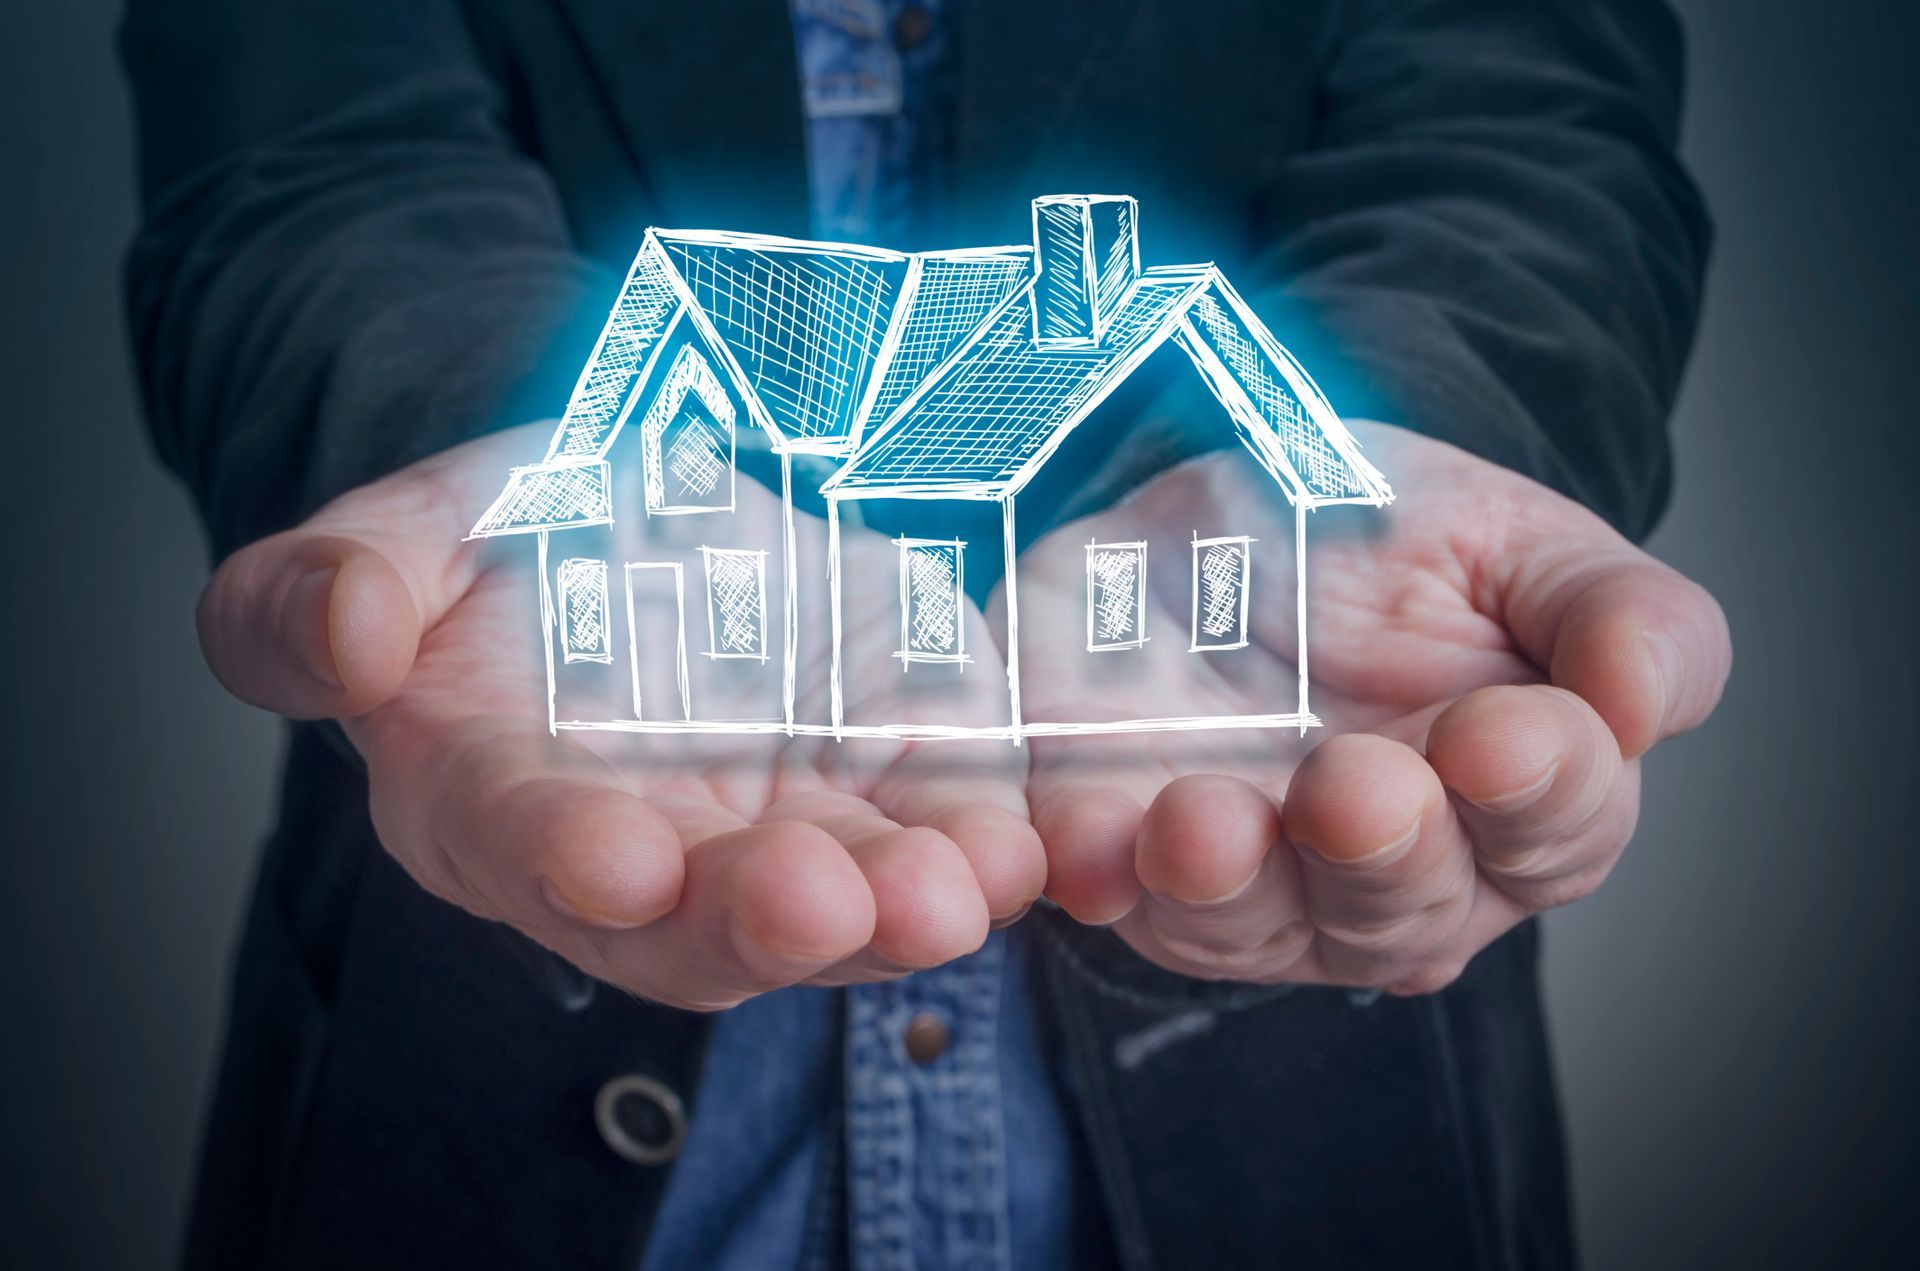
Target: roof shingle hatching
x,y
984,417
559,495
953,296
926,369
804,325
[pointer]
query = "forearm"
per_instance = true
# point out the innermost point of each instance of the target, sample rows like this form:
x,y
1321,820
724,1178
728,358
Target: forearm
x,y
1489,240
1496,241
344,263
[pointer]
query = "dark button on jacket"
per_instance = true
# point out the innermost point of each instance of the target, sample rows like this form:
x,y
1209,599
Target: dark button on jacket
x,y
640,1119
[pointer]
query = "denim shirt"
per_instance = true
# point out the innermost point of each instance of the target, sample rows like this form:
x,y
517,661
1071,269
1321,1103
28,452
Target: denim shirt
x,y
876,84
818,1140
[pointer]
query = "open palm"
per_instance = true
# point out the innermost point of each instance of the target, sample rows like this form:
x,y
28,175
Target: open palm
x,y
1489,660
696,870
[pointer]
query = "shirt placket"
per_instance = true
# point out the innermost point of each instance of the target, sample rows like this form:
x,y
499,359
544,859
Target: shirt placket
x,y
875,90
925,1135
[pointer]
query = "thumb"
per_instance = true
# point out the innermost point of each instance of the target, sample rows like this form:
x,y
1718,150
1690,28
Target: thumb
x,y
1645,646
323,621
310,624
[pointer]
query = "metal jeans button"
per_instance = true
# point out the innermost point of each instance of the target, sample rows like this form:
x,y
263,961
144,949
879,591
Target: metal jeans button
x,y
640,1120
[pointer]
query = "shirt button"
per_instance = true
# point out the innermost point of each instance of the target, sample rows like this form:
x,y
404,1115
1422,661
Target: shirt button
x,y
926,1038
911,27
640,1120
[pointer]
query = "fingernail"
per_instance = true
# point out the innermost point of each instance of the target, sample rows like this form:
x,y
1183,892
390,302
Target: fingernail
x,y
1518,800
771,962
306,627
1002,923
568,907
1668,665
1380,857
1232,894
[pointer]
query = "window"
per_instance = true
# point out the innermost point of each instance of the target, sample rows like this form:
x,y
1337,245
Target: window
x,y
736,603
931,613
1116,596
584,625
1222,568
687,441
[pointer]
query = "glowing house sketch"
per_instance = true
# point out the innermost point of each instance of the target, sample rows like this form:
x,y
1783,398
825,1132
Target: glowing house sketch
x,y
942,380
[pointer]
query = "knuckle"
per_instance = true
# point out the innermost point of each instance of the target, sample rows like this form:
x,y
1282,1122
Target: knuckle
x,y
1379,935
1552,891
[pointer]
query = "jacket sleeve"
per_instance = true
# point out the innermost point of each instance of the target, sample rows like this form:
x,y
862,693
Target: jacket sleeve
x,y
1491,239
344,263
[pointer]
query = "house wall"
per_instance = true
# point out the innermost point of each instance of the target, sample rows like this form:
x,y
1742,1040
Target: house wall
x,y
881,688
719,689
1225,495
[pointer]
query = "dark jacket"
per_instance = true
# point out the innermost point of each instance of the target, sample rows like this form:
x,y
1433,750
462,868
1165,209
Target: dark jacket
x,y
375,228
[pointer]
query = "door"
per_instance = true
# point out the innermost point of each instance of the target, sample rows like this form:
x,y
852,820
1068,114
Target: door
x,y
657,641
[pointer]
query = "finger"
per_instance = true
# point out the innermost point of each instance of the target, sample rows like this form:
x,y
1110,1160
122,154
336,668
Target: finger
x,y
1387,868
763,907
979,802
928,909
1088,796
1088,831
1645,646
679,904
1545,796
1002,849
1220,896
324,620
499,817
310,625
796,904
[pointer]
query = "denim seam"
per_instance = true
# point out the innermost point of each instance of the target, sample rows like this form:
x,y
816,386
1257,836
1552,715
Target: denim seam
x,y
939,1128
987,1147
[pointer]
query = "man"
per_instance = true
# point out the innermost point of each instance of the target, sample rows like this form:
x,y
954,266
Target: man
x,y
375,232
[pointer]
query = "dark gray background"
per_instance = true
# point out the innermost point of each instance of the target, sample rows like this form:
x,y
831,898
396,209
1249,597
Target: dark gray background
x,y
1736,1011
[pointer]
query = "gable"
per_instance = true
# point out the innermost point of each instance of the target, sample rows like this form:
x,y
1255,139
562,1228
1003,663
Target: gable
x,y
639,321
1283,416
804,322
683,374
564,494
687,438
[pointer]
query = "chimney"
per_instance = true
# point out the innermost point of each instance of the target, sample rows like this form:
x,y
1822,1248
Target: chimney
x,y
1086,253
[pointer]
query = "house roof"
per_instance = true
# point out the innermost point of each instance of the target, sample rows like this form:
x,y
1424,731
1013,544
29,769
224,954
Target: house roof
x,y
982,420
951,294
803,322
561,494
923,369
982,424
